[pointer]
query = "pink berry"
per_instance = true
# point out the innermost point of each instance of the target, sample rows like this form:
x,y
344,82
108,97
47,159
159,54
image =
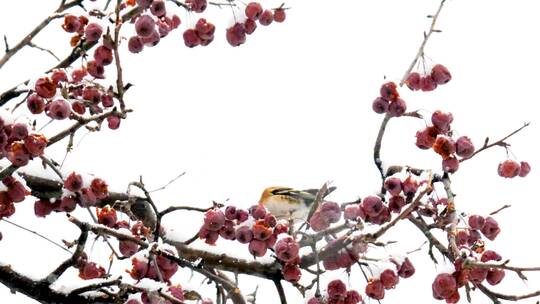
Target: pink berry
x,y
244,235
227,231
375,290
478,275
270,220
440,74
257,248
214,219
266,17
351,212
158,8
210,237
509,168
152,40
197,6
397,107
442,120
175,21
236,35
330,211
113,122
204,29
42,208
352,297
396,203
476,222
464,147
287,249
409,186
462,236
318,222
230,213
380,105
258,212
253,10
491,228
525,168
103,55
19,131
393,185
59,109
241,215
413,81
58,76
474,236
144,26
372,205
135,44
73,182
93,32
450,164
91,271
78,75
100,188
67,204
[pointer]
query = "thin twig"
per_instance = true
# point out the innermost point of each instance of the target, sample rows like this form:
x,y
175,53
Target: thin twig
x,y
37,234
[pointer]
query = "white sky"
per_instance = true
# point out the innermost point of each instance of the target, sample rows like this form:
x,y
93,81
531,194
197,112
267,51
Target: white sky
x,y
293,107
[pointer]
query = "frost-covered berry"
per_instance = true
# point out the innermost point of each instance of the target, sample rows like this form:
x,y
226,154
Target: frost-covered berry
x,y
35,104
144,26
393,185
380,105
253,10
397,107
257,248
135,44
244,235
442,120
444,146
93,32
413,81
389,279
158,8
491,228
45,88
279,15
464,147
287,249
58,109
236,34
266,17
71,24
450,164
440,74
375,289
214,219
476,222
525,168
509,168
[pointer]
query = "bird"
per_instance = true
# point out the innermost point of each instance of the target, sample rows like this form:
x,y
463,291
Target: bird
x,y
289,203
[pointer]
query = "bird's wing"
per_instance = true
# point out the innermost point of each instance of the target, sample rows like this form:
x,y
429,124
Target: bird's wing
x,y
315,191
304,196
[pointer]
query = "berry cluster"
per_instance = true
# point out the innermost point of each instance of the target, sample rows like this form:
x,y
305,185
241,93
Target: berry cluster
x,y
445,285
337,293
388,279
389,101
202,34
439,137
144,268
345,257
477,224
511,168
236,34
260,232
286,250
18,145
151,25
15,193
78,94
439,75
80,194
327,213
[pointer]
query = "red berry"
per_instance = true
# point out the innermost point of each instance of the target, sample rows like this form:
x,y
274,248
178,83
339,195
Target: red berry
x,y
67,204
495,276
261,231
250,26
91,271
93,32
42,208
270,220
477,275
426,138
525,168
241,215
103,55
71,24
351,212
227,231
35,104
258,212
509,168
128,248
444,146
393,185
490,255
230,213
372,205
58,76
244,235
35,144
380,105
318,222
330,211
95,69
45,88
389,91
107,216
266,17
375,290
291,273
413,81
444,286
336,289
236,35
352,297
409,186
144,26
389,279
210,237
19,131
18,155
279,15
462,236
205,30
197,6
440,74
113,122
99,188
396,203
406,269
73,182
253,10
191,39
427,83
88,198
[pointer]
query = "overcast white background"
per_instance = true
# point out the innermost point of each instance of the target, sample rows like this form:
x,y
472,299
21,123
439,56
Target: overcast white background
x,y
293,107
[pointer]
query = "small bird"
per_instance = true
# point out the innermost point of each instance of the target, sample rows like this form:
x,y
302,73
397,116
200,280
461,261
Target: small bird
x,y
289,203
